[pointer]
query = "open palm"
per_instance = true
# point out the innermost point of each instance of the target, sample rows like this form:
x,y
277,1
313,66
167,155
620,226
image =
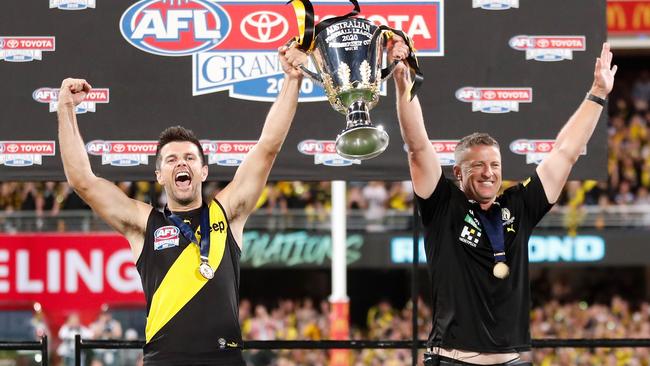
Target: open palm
x,y
604,73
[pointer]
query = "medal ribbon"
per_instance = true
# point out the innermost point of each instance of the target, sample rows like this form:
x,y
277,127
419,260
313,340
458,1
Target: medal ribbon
x,y
188,233
491,221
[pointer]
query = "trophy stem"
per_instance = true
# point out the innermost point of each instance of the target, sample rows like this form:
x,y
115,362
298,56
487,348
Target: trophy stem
x,y
358,115
360,139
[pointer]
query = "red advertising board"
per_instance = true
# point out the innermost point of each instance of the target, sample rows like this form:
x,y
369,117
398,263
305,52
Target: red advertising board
x,y
628,17
68,273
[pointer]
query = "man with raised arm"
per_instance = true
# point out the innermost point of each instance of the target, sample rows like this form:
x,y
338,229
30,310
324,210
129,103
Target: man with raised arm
x,y
188,255
477,242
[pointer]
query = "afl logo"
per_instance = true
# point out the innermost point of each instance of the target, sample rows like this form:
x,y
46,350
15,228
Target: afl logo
x,y
2,148
166,232
264,26
175,27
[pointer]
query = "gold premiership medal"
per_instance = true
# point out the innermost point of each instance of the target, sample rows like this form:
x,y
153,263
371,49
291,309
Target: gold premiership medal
x,y
206,271
501,270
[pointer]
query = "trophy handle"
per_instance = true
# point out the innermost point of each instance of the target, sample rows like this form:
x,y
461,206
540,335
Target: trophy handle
x,y
411,60
388,70
380,33
310,74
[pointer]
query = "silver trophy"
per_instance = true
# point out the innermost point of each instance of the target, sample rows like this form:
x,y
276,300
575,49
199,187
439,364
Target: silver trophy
x,y
348,55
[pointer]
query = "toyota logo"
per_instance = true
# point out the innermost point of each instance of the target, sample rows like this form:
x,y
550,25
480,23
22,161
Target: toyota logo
x,y
225,147
119,148
12,43
330,148
543,43
489,94
12,148
544,146
264,26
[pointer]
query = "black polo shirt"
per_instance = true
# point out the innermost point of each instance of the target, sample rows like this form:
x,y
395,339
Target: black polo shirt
x,y
472,309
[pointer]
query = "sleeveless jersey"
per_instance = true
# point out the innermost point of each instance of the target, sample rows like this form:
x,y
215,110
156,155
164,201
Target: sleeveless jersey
x,y
190,320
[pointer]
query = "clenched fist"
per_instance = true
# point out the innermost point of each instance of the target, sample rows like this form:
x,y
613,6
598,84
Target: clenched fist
x,y
291,58
73,91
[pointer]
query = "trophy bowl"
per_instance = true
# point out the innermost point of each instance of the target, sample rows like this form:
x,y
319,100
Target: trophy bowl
x,y
348,55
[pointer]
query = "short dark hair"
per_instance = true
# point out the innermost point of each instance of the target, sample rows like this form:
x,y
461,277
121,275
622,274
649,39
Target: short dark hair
x,y
177,133
475,139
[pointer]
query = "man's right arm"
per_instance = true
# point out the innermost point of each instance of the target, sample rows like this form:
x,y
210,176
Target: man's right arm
x,y
423,161
127,216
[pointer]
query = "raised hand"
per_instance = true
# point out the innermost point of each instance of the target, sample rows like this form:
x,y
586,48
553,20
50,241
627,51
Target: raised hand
x,y
73,91
397,49
603,73
402,76
291,58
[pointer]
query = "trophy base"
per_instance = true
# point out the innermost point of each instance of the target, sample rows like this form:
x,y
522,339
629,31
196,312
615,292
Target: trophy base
x,y
361,142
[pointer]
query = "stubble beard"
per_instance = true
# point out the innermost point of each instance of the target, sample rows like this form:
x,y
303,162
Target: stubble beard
x,y
183,201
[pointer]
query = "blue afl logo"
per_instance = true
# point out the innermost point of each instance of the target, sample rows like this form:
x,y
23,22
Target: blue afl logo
x,y
175,28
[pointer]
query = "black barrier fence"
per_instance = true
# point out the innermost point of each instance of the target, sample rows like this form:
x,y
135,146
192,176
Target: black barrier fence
x,y
414,344
27,346
81,344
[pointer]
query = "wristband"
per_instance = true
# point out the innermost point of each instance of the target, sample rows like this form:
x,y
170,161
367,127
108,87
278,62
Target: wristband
x,y
596,99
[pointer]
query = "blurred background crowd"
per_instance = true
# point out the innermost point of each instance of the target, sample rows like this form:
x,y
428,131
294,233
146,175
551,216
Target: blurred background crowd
x,y
307,319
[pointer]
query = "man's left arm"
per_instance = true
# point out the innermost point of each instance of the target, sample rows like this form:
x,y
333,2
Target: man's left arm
x,y
241,195
573,137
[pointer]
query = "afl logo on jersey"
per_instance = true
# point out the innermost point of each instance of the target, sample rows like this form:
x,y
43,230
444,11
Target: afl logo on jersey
x,y
165,237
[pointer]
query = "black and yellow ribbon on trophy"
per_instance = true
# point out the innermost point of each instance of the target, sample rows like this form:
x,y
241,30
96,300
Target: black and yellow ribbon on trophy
x,y
309,30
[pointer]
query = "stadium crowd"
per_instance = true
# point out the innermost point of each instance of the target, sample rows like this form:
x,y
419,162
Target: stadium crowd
x,y
306,319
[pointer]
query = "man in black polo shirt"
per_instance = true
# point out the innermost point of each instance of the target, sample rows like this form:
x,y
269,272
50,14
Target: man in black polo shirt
x,y
476,241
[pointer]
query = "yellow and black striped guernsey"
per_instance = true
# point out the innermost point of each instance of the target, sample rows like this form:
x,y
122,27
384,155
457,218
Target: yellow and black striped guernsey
x,y
190,320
